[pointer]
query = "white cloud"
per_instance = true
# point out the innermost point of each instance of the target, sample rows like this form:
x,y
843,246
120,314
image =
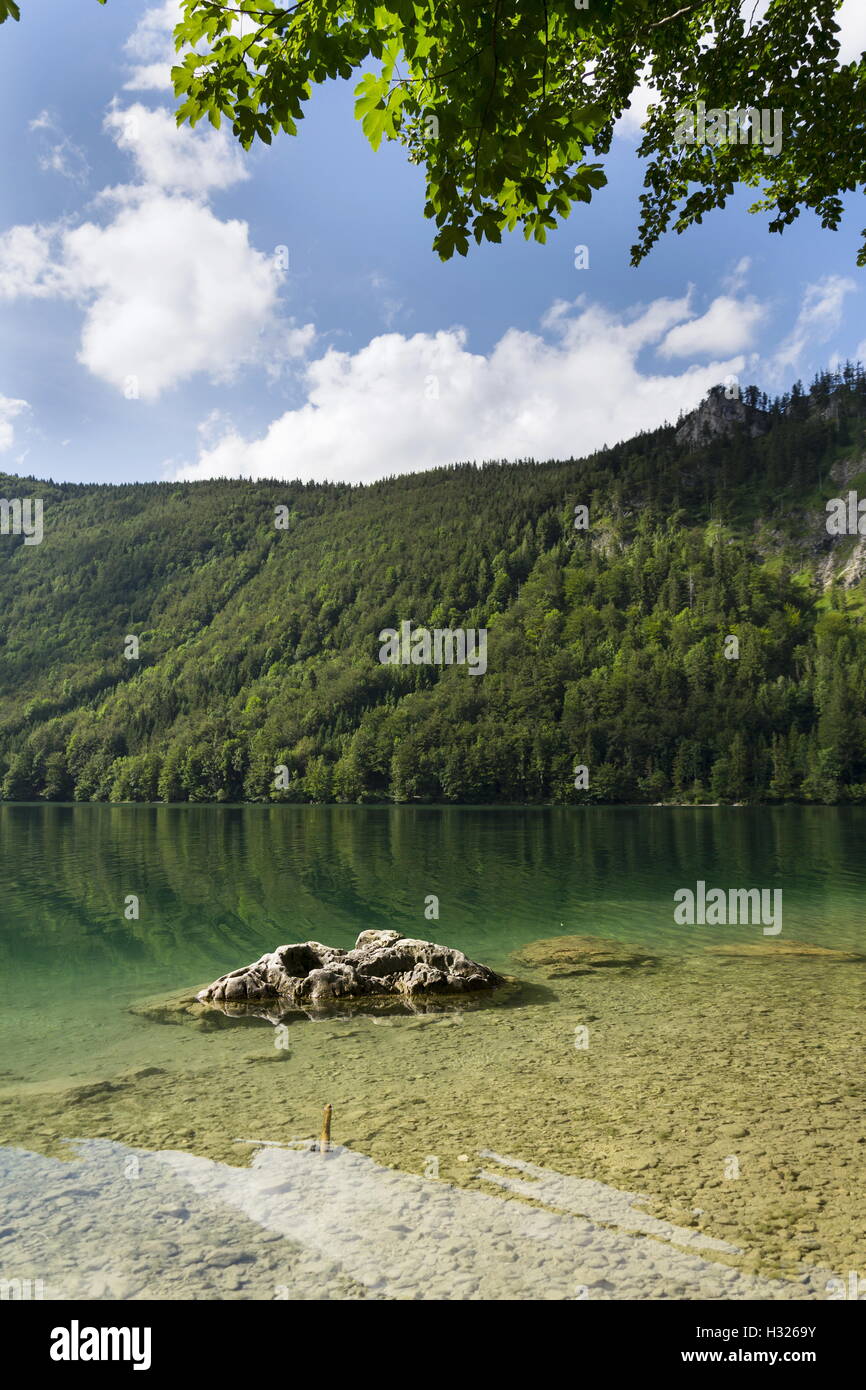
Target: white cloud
x,y
168,289
402,404
59,154
9,410
630,123
820,315
738,276
851,19
284,343
28,265
727,327
178,159
172,291
151,42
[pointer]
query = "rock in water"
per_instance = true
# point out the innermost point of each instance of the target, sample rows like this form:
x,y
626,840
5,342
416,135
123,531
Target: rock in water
x,y
770,950
380,963
580,955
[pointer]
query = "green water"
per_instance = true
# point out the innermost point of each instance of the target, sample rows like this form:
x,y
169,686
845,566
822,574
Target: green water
x,y
216,884
690,1062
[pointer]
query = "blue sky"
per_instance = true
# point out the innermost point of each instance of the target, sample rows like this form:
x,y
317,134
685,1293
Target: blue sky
x,y
151,332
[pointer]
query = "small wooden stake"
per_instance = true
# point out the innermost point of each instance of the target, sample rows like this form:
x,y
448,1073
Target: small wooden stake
x,y
325,1139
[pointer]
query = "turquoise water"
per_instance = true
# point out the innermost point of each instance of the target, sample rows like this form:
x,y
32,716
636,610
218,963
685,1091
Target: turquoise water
x,y
218,886
692,1062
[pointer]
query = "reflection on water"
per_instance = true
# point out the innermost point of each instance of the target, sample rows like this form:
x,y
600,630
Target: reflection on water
x,y
279,1011
117,1224
216,883
217,886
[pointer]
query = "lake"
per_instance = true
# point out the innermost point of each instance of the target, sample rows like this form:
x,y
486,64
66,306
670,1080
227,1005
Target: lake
x,y
689,1128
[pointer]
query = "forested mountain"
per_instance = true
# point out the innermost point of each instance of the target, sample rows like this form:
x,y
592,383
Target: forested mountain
x,y
258,645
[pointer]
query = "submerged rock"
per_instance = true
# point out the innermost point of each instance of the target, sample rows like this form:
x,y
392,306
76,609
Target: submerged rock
x,y
579,955
166,1008
380,963
783,948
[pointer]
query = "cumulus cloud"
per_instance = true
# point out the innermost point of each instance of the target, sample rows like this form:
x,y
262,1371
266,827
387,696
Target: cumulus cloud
x,y
728,326
820,315
28,264
175,158
631,122
171,291
851,19
403,404
10,409
151,43
167,288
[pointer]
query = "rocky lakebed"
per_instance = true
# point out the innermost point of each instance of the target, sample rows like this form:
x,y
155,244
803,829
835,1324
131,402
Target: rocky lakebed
x,y
647,1124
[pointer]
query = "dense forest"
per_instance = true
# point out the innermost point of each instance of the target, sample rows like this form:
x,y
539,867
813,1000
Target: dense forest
x,y
257,609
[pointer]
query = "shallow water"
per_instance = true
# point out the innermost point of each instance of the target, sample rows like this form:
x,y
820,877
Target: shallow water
x,y
727,1092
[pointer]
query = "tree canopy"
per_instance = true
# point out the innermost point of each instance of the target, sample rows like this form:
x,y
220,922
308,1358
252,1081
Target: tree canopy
x,y
510,105
10,10
256,672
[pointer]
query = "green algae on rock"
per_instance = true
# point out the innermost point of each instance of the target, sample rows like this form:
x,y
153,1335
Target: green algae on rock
x,y
580,955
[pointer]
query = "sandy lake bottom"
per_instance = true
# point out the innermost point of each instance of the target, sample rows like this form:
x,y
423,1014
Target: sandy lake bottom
x,y
690,1129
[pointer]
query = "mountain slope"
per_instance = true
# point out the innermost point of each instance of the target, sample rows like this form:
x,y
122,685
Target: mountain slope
x,y
258,646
